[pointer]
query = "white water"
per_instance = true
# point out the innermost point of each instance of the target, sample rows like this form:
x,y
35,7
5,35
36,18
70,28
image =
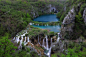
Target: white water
x,y
58,37
49,52
20,43
25,40
28,39
51,41
46,42
39,40
43,43
47,24
22,38
38,24
14,38
17,39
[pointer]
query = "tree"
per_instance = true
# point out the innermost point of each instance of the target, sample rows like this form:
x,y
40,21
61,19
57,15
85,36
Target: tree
x,y
6,46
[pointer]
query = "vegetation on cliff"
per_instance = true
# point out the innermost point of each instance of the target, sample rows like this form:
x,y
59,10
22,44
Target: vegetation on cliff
x,y
15,15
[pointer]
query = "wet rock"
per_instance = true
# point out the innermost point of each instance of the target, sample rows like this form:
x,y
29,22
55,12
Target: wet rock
x,y
54,38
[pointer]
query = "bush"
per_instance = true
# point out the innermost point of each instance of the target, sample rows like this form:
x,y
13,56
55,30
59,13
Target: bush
x,y
79,18
58,14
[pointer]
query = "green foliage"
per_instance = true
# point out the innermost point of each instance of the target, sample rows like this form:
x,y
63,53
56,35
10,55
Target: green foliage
x,y
78,50
51,33
6,47
34,31
59,14
62,17
79,18
83,6
1,30
45,31
54,55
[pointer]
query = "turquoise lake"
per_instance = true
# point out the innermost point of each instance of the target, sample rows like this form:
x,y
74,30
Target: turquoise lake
x,y
48,18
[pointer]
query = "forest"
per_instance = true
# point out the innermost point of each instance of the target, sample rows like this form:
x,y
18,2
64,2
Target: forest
x,y
21,36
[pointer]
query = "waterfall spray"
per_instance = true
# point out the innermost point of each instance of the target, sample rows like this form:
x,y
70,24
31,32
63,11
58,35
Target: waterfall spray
x,y
46,43
25,40
58,37
28,39
51,41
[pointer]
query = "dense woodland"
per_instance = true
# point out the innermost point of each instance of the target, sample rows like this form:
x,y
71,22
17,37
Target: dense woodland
x,y
15,15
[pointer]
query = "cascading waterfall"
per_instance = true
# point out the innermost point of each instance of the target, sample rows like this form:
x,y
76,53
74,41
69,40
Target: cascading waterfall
x,y
17,38
22,38
47,24
43,43
28,39
58,37
21,43
49,52
14,38
46,43
51,41
25,40
38,24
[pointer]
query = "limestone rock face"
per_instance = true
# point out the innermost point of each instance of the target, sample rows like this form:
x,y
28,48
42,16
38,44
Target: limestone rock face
x,y
68,24
84,16
52,9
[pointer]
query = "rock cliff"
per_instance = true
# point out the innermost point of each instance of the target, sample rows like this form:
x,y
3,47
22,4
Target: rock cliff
x,y
68,24
84,16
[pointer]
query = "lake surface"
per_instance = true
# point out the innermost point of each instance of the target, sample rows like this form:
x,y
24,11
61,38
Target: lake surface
x,y
48,18
51,28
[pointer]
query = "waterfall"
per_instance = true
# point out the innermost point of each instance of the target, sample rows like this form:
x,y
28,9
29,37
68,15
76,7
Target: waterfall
x,y
47,24
58,37
17,39
25,40
30,24
38,24
51,41
43,43
21,43
49,52
46,43
14,38
28,39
